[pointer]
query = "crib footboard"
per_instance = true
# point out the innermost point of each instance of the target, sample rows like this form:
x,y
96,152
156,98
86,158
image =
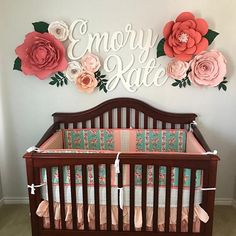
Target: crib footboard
x,y
206,163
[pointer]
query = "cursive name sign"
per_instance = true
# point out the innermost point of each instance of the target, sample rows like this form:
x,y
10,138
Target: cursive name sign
x,y
138,70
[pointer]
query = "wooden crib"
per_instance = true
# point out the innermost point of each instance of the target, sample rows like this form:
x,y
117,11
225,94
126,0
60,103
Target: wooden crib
x,y
121,113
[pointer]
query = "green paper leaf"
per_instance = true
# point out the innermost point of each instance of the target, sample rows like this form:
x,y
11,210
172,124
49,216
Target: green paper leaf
x,y
102,76
104,80
54,78
58,83
99,83
180,85
66,81
105,89
40,26
17,64
53,82
175,84
184,84
189,82
210,36
61,83
160,48
57,76
222,86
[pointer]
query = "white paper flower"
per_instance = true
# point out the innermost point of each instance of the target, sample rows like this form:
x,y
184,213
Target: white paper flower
x,y
73,70
59,30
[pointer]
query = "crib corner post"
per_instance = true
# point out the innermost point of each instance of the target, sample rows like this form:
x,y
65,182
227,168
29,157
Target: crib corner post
x,y
211,194
32,198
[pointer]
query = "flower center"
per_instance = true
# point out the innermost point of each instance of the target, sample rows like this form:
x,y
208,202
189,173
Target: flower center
x,y
86,80
73,71
58,31
183,38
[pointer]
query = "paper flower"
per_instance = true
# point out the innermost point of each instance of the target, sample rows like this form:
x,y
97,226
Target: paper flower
x,y
90,62
184,37
86,82
59,30
177,69
73,70
208,69
41,55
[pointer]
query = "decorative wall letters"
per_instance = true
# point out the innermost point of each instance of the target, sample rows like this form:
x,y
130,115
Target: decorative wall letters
x,y
70,53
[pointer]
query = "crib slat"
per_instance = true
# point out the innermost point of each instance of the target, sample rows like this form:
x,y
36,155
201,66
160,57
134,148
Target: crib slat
x,y
85,195
167,203
127,117
132,188
62,197
118,117
172,126
83,124
110,118
163,125
120,211
66,125
155,197
191,200
93,123
75,125
145,121
108,195
136,119
180,200
96,197
101,121
182,126
50,197
73,196
144,195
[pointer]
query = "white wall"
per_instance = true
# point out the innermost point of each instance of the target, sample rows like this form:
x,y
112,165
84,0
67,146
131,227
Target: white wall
x,y
29,102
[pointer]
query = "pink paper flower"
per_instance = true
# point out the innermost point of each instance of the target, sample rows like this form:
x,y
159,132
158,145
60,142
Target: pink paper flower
x,y
86,82
177,69
208,69
184,37
41,55
90,62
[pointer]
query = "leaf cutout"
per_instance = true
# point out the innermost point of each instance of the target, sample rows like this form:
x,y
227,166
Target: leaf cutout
x,y
17,64
160,48
40,26
210,36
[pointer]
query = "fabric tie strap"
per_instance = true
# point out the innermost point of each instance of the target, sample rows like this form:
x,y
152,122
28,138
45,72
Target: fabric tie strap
x,y
211,153
33,187
194,123
117,163
33,148
121,197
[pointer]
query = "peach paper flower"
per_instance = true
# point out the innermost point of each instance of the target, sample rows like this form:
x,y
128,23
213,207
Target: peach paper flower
x,y
184,37
86,82
90,62
208,69
41,55
177,69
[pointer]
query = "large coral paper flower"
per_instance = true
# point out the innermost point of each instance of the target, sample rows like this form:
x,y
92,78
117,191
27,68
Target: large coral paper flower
x,y
41,55
184,38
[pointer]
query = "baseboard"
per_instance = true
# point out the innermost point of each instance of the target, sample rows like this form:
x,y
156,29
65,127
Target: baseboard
x,y
224,201
1,202
234,203
16,200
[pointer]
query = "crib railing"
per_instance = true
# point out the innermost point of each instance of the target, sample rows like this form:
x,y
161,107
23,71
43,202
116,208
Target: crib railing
x,y
37,161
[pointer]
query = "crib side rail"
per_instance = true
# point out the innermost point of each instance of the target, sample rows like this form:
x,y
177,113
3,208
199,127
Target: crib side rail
x,y
36,161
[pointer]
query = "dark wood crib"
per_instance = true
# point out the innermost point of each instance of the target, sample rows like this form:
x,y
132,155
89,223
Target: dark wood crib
x,y
122,113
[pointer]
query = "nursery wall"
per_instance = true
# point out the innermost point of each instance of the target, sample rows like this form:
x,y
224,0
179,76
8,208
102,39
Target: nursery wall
x,y
29,102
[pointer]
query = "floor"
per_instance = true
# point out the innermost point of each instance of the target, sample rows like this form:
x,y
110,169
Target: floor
x,y
14,221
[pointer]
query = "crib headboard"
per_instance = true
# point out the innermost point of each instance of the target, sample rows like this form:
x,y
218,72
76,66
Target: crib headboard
x,y
123,113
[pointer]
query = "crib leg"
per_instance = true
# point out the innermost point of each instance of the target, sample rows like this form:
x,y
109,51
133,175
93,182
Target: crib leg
x,y
32,199
211,196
